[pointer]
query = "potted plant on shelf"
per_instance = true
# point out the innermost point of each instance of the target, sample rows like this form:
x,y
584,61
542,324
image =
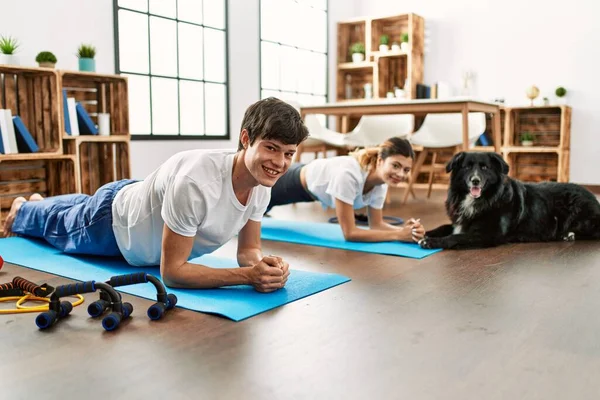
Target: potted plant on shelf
x,y
526,139
86,54
384,42
46,59
358,52
561,94
8,48
404,42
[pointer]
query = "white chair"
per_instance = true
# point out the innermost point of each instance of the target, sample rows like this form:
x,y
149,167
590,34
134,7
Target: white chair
x,y
372,130
321,139
441,132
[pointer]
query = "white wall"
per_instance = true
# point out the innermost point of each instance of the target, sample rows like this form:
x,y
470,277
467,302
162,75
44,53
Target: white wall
x,y
511,45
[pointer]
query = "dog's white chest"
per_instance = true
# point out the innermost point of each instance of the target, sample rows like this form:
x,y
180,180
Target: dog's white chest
x,y
466,209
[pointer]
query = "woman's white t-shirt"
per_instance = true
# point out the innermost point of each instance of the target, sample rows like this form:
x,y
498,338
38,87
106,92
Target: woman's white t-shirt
x,y
342,178
192,193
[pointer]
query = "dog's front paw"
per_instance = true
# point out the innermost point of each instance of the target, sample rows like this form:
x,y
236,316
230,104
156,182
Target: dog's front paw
x,y
569,237
430,243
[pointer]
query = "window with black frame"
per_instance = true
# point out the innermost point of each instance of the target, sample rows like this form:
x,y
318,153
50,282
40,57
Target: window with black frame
x,y
293,46
174,53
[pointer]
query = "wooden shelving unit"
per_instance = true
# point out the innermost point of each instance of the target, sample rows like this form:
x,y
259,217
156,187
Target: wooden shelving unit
x,y
102,159
384,71
64,164
548,159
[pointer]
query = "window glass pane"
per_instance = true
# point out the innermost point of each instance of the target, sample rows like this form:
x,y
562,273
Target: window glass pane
x,y
163,47
214,13
289,68
164,106
140,5
269,65
317,37
190,10
294,58
316,69
191,95
139,104
269,23
214,47
166,8
133,42
215,109
190,51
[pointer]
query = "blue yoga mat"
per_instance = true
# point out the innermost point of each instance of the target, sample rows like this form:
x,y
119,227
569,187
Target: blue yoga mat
x,y
234,302
330,235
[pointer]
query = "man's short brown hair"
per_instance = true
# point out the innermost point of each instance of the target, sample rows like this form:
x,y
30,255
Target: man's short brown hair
x,y
274,119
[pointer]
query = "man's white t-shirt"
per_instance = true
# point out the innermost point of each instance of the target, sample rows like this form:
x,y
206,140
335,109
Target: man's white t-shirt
x,y
192,193
342,178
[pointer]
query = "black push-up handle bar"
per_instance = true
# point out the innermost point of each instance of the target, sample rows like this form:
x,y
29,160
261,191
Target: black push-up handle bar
x,y
164,301
60,309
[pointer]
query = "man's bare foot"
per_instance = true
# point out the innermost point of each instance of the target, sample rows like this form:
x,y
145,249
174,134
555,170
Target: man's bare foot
x,y
36,197
16,205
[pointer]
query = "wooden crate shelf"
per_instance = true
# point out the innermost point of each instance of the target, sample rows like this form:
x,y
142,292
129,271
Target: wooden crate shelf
x,y
100,94
33,94
533,167
51,176
101,159
384,71
549,157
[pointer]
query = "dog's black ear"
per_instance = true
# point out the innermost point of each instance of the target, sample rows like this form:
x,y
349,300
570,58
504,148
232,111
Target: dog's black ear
x,y
499,163
455,162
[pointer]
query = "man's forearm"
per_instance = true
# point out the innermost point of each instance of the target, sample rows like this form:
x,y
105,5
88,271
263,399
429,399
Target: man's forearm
x,y
196,276
249,257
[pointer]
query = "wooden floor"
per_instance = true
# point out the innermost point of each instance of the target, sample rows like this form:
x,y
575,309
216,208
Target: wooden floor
x,y
513,322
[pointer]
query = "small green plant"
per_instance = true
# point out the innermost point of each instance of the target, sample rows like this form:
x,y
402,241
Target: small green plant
x,y
404,38
560,91
357,48
86,51
8,45
526,137
45,56
384,39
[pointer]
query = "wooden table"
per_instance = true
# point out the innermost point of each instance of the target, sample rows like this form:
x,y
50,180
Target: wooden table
x,y
346,109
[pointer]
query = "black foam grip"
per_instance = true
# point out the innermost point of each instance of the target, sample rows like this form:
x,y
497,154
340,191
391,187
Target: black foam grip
x,y
75,288
97,308
129,279
29,286
156,311
112,321
65,308
11,292
127,310
46,319
172,301
6,286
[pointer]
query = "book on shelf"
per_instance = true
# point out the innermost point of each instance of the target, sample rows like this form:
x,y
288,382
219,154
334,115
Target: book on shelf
x,y
86,125
72,107
7,131
25,142
66,112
